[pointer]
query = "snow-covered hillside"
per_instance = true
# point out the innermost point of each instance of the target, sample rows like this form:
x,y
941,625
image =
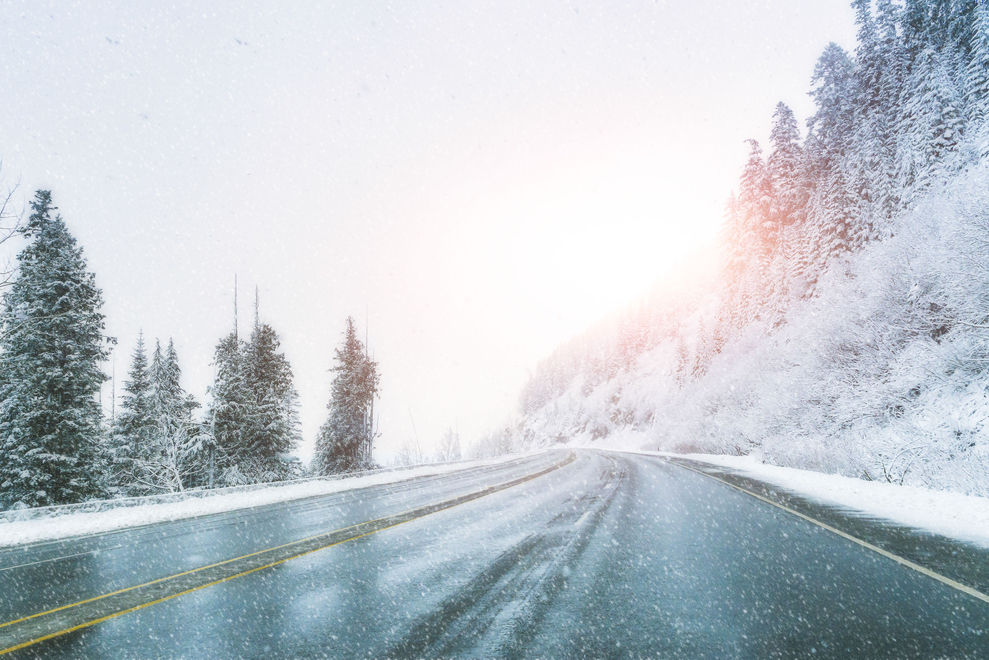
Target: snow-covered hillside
x,y
847,327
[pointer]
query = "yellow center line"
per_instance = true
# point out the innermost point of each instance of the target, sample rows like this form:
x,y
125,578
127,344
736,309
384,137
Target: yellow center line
x,y
469,498
188,572
200,568
903,561
140,606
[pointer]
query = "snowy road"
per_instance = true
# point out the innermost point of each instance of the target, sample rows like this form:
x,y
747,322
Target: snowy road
x,y
560,554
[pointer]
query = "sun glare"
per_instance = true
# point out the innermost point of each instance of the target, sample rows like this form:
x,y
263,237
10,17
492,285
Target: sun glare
x,y
598,251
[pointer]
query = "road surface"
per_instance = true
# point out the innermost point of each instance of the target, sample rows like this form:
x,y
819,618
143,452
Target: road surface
x,y
562,554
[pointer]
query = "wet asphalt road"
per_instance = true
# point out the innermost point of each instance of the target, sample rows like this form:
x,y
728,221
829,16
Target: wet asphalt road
x,y
611,555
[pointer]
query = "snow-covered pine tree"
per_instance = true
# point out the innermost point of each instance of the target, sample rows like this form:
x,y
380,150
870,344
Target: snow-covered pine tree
x,y
865,162
977,80
345,439
784,168
932,124
755,194
789,194
940,17
750,241
169,399
273,429
890,81
197,439
832,208
52,344
229,414
158,379
914,27
172,458
963,25
131,434
182,401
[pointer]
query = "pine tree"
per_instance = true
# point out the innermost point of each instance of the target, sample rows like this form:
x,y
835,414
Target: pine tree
x,y
229,414
755,191
134,424
182,402
345,439
939,22
169,399
830,128
158,377
273,428
977,79
866,162
932,125
832,208
751,239
52,343
172,458
784,169
914,22
891,81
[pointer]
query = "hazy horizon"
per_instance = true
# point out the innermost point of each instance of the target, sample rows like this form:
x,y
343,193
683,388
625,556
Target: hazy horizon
x,y
475,184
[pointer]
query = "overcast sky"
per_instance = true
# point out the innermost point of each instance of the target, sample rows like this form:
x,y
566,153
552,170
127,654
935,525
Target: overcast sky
x,y
477,180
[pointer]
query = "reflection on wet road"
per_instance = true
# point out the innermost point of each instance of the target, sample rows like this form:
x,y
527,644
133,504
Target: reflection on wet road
x,y
608,555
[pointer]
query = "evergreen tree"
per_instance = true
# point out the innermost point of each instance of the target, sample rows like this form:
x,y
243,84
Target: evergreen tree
x,y
135,422
182,402
273,427
977,79
830,128
158,377
891,81
832,208
784,169
868,159
914,22
755,192
939,22
173,457
345,439
963,25
751,239
933,121
51,345
231,408
169,399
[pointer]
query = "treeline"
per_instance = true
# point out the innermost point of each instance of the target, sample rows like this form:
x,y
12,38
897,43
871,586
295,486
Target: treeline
x,y
825,275
892,122
907,110
57,447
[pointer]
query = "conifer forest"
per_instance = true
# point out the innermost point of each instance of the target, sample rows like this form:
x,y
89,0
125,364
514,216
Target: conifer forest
x,y
844,329
58,446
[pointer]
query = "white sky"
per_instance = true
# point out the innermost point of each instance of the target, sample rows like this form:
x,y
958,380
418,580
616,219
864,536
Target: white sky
x,y
481,179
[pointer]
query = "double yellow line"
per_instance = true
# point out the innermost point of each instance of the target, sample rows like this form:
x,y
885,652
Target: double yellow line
x,y
311,544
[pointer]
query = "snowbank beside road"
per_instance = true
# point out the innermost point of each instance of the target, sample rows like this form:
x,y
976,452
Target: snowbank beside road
x,y
962,517
46,529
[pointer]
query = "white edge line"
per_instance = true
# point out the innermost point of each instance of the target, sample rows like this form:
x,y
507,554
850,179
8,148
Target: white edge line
x,y
964,588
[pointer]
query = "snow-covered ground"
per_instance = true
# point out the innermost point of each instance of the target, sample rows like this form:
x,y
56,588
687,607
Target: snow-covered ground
x,y
957,516
45,529
882,372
